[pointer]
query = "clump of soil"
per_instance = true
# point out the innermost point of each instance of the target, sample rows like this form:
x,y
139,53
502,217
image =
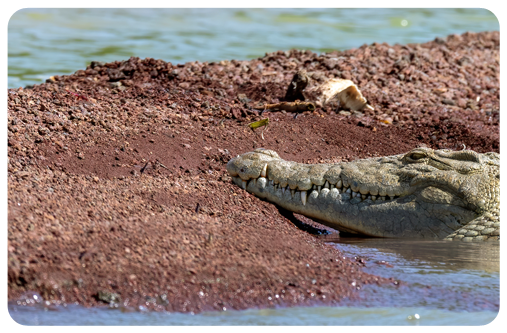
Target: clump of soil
x,y
117,188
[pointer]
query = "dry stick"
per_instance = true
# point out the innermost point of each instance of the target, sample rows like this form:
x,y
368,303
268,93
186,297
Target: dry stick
x,y
163,166
144,167
262,133
290,106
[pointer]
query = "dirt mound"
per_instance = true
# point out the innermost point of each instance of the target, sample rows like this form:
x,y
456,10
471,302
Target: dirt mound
x,y
117,183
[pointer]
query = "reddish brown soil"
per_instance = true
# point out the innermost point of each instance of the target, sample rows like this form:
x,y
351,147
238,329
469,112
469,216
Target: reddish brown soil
x,y
117,181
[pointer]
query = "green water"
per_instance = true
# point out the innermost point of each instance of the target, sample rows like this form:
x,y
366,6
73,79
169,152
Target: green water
x,y
46,42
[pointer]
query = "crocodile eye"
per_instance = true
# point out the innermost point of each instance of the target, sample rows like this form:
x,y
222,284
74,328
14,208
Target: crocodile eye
x,y
417,156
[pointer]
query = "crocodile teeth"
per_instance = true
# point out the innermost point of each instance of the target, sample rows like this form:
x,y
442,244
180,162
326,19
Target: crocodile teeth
x,y
373,198
339,184
283,190
292,193
264,171
261,182
243,184
272,182
303,197
383,198
326,184
319,187
363,196
331,186
364,191
348,190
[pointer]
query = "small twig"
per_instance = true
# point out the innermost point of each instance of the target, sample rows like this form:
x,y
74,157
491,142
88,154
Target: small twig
x,y
210,238
79,96
163,166
144,167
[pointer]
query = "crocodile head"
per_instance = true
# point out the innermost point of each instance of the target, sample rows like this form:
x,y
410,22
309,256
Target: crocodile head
x,y
425,193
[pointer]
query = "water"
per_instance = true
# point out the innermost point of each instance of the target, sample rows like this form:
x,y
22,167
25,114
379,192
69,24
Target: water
x,y
453,276
442,283
46,42
318,316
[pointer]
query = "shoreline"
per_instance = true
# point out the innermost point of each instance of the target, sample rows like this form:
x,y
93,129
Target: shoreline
x,y
117,188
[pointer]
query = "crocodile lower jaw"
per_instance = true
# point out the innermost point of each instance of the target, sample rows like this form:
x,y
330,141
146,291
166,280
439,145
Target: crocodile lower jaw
x,y
327,205
355,215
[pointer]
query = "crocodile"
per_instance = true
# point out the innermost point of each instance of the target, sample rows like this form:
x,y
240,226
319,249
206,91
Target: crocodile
x,y
425,193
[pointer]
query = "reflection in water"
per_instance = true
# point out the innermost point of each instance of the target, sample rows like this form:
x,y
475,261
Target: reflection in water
x,y
446,255
455,276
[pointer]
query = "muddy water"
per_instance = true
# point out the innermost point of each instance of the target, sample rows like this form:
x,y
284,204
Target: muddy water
x,y
440,283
